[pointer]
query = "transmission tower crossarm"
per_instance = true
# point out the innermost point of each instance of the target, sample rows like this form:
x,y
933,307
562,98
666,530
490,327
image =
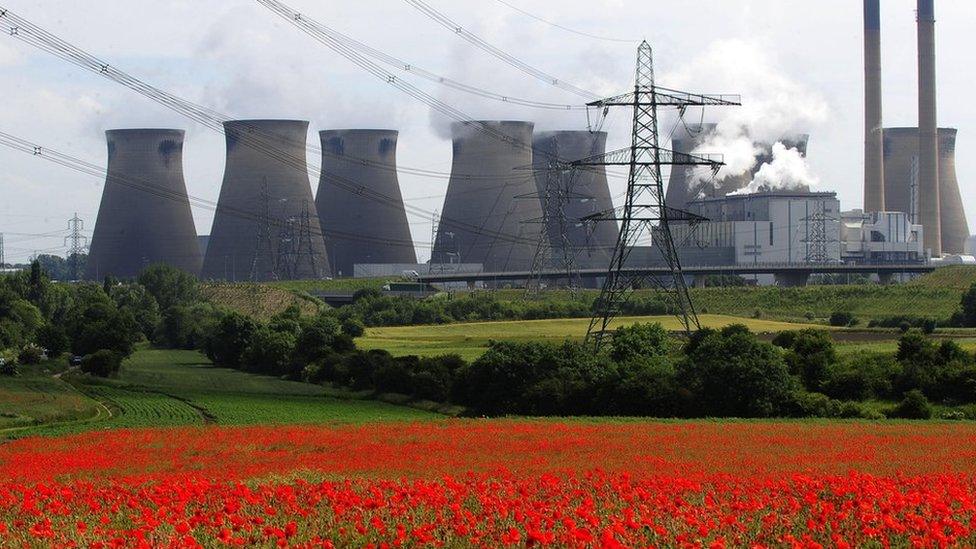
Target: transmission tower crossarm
x,y
649,156
664,97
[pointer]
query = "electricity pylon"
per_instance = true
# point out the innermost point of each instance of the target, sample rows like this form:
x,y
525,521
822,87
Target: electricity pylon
x,y
644,206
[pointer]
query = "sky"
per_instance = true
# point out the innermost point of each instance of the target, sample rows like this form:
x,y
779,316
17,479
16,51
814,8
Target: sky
x,y
796,63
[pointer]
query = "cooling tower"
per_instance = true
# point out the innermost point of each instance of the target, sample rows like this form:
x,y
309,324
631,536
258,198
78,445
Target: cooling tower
x,y
586,193
681,189
490,196
928,140
365,159
901,165
265,227
874,197
144,217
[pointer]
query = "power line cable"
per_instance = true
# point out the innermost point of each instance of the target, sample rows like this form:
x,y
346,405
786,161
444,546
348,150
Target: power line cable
x,y
496,52
565,28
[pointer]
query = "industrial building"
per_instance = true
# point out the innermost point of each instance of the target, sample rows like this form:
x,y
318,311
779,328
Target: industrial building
x,y
144,216
491,210
767,227
880,237
902,184
359,202
266,227
583,194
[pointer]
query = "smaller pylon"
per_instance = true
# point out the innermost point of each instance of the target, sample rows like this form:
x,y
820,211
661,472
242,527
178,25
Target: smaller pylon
x,y
76,243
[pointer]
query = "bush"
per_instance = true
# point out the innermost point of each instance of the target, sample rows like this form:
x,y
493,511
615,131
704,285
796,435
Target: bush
x,y
8,363
968,307
733,374
815,405
645,387
53,338
30,354
810,355
353,327
103,363
863,376
638,341
843,319
914,406
226,344
270,352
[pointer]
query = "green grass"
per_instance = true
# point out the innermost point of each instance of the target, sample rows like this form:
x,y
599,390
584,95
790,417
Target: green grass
x,y
159,388
470,339
36,397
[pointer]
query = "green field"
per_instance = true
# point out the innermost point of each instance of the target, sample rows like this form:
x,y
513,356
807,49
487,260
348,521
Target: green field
x,y
470,339
168,388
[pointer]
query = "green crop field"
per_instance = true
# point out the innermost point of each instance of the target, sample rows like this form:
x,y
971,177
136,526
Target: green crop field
x,y
37,397
169,388
470,339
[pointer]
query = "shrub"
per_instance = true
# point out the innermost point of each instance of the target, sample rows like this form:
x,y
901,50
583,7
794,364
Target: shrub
x,y
638,341
270,352
733,374
230,338
914,406
8,363
353,327
30,354
810,355
968,307
863,376
53,338
807,404
645,387
843,318
103,363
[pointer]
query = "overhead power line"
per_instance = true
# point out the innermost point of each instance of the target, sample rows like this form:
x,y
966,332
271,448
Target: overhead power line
x,y
254,137
446,22
565,28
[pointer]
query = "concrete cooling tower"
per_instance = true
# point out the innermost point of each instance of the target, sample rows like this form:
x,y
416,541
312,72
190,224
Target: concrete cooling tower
x,y
586,191
682,188
144,217
901,176
372,210
483,219
266,227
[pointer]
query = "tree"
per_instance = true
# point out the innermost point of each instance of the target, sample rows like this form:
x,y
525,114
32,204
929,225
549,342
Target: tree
x,y
229,339
733,374
639,341
53,338
914,406
103,363
140,303
810,355
968,304
169,285
269,352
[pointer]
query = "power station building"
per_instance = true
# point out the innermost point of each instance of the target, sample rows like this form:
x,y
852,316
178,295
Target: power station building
x,y
266,227
585,194
359,202
880,237
492,208
144,217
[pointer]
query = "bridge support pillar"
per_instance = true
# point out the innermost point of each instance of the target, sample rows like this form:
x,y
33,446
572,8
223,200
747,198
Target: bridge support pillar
x,y
699,281
792,280
886,278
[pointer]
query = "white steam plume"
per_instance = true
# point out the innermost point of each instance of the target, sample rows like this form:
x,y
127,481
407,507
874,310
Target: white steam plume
x,y
774,106
787,171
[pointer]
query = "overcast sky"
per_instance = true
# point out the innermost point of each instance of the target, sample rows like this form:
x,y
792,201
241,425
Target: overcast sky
x,y
798,65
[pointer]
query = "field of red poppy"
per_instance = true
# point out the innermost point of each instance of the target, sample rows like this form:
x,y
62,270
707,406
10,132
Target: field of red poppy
x,y
496,483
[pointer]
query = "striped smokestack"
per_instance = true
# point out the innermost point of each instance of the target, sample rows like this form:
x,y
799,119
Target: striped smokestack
x,y
874,197
929,210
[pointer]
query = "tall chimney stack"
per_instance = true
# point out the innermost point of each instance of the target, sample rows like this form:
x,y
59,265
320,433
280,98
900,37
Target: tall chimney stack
x,y
928,138
874,198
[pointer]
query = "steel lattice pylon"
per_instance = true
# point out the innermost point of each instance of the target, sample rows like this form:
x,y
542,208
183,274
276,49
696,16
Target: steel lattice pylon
x,y
644,210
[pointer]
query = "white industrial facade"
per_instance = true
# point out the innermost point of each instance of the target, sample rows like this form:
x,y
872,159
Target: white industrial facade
x,y
768,227
880,237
